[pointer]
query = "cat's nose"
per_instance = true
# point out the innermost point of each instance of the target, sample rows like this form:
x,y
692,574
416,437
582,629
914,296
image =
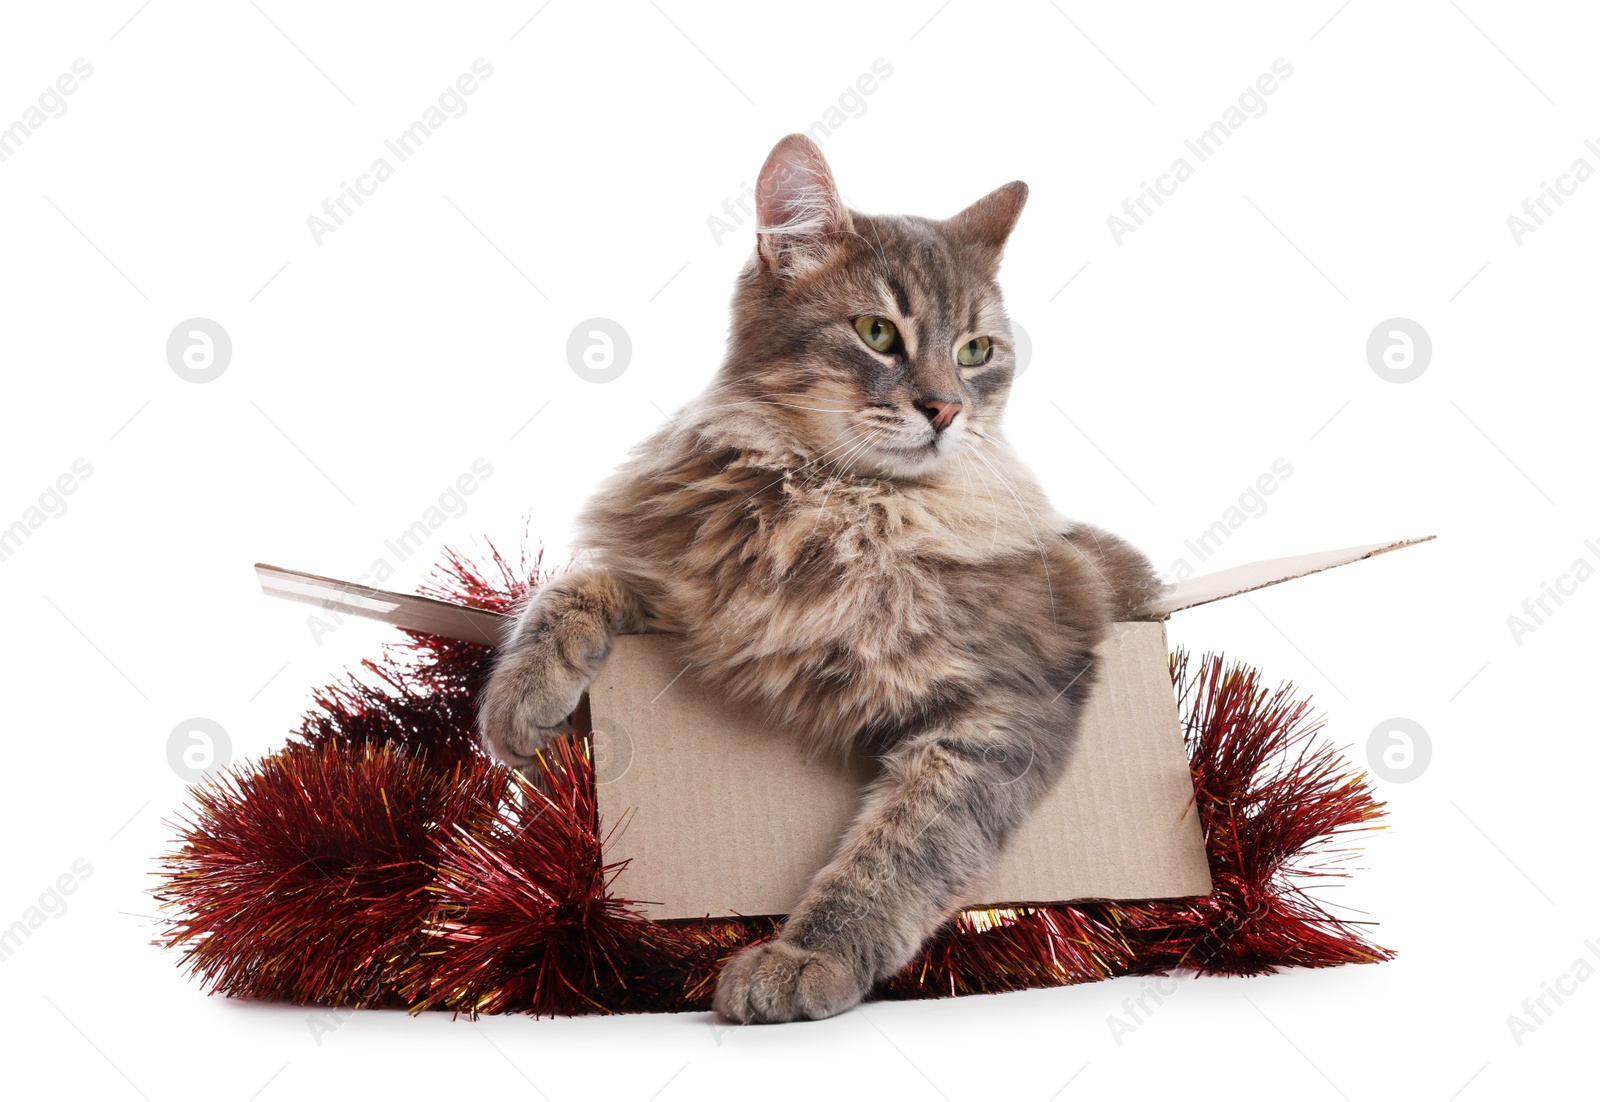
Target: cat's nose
x,y
939,412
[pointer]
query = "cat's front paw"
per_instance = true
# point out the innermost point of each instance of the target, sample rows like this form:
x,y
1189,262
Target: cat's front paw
x,y
527,701
780,982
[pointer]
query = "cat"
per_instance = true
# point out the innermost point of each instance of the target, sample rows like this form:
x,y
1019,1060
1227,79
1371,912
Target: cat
x,y
840,533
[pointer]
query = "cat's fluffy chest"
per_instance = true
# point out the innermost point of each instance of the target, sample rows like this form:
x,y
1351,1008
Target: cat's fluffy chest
x,y
836,601
877,525
841,587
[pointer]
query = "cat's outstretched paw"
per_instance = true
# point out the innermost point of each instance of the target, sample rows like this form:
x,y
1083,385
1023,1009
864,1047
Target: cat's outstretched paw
x,y
779,982
526,703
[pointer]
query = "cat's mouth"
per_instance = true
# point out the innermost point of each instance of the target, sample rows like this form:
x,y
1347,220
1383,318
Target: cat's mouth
x,y
908,459
920,450
898,450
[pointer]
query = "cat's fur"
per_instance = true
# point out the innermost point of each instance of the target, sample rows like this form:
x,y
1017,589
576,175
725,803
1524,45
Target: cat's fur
x,y
870,579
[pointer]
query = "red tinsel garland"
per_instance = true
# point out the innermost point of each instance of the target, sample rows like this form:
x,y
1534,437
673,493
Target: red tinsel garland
x,y
381,860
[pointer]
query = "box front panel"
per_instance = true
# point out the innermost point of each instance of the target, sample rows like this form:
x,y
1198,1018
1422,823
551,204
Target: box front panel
x,y
721,814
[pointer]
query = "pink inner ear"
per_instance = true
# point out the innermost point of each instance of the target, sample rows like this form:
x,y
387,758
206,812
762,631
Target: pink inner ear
x,y
795,193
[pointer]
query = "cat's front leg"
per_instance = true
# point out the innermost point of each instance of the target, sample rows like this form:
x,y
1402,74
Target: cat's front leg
x,y
929,831
554,650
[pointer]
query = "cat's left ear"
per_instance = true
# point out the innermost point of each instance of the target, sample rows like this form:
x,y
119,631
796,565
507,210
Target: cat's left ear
x,y
989,221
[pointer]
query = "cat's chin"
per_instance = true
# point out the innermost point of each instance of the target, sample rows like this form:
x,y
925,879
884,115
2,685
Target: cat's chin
x,y
908,463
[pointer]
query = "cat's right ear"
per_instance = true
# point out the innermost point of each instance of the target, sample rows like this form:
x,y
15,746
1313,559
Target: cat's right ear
x,y
797,206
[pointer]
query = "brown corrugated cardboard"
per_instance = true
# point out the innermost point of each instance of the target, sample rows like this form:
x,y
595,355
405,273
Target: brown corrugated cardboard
x,y
718,813
722,814
1258,575
403,610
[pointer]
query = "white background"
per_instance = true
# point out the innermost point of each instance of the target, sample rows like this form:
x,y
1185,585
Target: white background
x,y
371,369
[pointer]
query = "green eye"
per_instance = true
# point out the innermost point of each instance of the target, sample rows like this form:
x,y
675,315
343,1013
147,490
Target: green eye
x,y
878,333
974,352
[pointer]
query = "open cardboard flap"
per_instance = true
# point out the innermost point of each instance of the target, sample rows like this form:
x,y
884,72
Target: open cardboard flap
x,y
718,813
403,610
1258,575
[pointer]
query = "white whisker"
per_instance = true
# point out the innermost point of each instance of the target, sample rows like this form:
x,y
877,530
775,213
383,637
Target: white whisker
x,y
803,466
1074,548
1044,557
833,483
993,504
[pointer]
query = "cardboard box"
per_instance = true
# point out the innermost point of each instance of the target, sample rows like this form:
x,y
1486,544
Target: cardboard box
x,y
718,813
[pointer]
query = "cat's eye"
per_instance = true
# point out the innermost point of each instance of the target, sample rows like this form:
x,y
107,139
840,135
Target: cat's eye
x,y
974,352
879,334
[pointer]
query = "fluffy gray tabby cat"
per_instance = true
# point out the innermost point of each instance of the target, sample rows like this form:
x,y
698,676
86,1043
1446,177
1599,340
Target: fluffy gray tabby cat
x,y
840,533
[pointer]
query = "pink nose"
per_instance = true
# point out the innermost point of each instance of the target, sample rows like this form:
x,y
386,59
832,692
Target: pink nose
x,y
939,413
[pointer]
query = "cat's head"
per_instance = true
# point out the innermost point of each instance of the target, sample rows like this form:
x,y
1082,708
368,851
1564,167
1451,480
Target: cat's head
x,y
877,341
